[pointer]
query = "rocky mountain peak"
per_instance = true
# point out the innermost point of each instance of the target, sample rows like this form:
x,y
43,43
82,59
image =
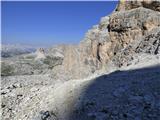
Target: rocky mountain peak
x,y
128,5
129,25
40,53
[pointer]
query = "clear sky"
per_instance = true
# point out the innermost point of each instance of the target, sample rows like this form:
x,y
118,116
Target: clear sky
x,y
48,23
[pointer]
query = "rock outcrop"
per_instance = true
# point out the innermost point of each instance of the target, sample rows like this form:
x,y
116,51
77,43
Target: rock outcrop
x,y
133,23
150,4
150,44
40,54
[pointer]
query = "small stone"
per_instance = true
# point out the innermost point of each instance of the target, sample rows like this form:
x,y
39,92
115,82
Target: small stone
x,y
91,115
148,99
3,105
137,118
34,89
17,85
44,115
118,92
136,99
5,91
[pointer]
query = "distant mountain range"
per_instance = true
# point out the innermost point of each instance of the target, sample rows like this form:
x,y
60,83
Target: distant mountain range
x,y
9,50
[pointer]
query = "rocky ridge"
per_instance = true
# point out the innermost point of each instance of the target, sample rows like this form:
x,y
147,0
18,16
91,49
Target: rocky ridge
x,y
17,49
121,58
133,24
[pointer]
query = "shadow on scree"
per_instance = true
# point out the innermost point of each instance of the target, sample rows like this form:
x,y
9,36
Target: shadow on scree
x,y
121,95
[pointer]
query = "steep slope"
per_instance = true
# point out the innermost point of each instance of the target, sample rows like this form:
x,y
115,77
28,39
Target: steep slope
x,y
123,94
131,95
150,44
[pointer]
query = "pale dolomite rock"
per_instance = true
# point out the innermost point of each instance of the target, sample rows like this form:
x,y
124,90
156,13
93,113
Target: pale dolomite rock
x,y
132,22
40,54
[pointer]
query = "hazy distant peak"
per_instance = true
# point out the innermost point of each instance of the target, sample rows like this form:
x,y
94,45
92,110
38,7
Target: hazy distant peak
x,y
9,50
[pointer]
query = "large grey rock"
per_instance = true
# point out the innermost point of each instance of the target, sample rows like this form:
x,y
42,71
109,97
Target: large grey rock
x,y
150,4
149,44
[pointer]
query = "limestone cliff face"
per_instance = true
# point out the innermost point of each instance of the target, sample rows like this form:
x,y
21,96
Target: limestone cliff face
x,y
149,44
130,24
127,5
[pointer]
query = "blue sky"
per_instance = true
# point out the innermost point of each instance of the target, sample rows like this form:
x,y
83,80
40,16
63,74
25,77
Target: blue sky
x,y
48,23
